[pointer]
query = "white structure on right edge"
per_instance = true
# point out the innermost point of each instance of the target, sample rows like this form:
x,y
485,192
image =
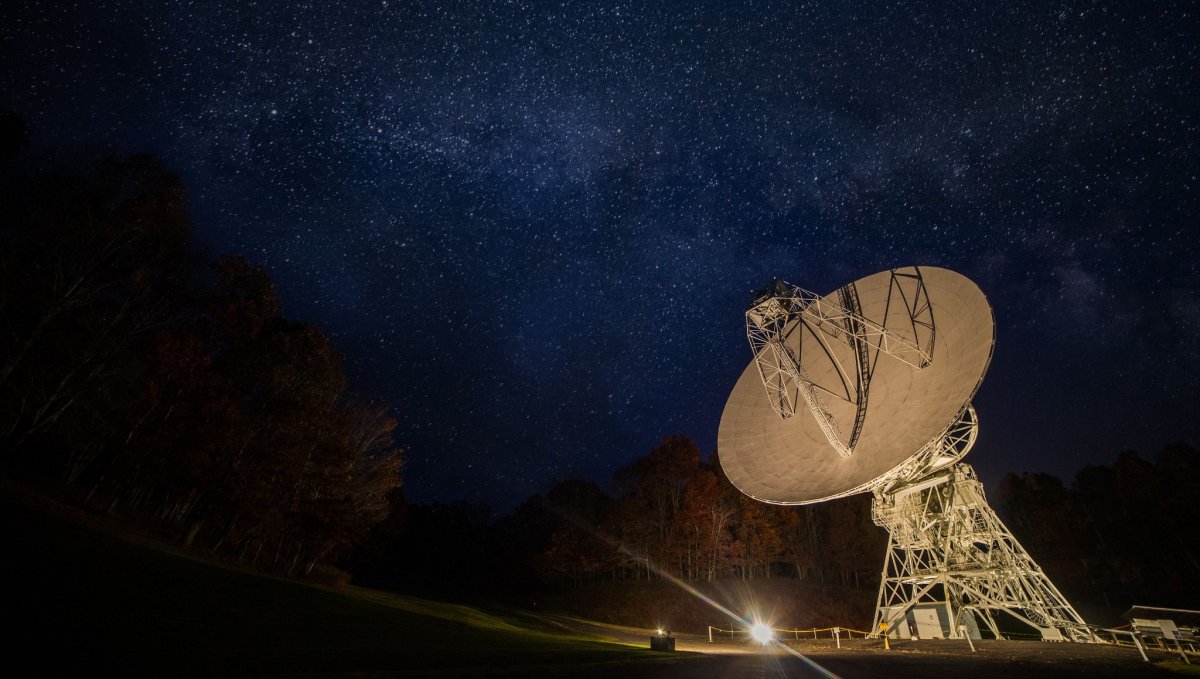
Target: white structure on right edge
x,y
842,390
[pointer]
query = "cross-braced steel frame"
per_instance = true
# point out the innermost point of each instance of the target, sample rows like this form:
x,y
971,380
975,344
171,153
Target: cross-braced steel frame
x,y
780,319
948,549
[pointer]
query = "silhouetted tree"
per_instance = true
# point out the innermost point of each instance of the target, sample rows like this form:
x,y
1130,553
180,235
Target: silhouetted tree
x,y
171,396
1121,534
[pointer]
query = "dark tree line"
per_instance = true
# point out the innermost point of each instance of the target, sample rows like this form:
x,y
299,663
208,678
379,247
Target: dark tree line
x,y
671,514
140,378
1118,535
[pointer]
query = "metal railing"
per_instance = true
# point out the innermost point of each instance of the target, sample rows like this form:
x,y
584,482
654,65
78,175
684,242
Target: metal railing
x,y
836,634
1121,636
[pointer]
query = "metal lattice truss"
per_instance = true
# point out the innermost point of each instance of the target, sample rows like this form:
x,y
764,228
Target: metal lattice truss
x,y
787,311
949,447
949,553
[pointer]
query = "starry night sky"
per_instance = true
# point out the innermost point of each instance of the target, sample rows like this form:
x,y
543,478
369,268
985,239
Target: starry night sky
x,y
533,228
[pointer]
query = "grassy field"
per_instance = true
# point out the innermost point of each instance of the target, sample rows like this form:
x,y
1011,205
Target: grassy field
x,y
83,599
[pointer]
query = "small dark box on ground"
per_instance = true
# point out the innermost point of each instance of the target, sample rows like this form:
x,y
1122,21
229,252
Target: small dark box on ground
x,y
662,643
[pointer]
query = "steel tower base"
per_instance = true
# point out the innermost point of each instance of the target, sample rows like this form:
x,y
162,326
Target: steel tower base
x,y
952,565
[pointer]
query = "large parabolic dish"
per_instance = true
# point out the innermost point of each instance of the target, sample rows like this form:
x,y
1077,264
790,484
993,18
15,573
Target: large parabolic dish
x,y
847,414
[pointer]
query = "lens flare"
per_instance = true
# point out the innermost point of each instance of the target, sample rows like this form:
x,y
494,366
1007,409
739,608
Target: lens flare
x,y
762,633
666,575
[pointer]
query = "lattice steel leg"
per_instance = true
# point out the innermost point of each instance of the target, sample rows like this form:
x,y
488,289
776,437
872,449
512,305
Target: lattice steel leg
x,y
948,550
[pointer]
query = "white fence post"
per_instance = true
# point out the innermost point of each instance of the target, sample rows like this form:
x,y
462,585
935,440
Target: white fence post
x,y
962,629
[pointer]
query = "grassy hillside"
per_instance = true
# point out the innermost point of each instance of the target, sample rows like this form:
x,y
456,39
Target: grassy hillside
x,y
80,599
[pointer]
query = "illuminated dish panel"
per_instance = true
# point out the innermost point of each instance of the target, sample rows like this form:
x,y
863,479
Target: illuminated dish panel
x,y
850,412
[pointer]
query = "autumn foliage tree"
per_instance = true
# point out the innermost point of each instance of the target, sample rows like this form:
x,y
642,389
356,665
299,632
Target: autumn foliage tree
x,y
706,514
672,513
1119,533
142,379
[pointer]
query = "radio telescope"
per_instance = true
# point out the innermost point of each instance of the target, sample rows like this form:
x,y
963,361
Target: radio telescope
x,y
868,389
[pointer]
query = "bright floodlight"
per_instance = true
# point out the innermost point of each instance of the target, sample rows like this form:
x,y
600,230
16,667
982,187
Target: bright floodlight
x,y
761,632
